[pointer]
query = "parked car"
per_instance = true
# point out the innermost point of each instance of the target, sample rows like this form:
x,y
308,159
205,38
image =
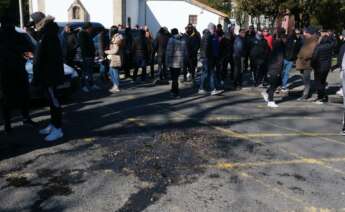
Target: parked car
x,y
71,76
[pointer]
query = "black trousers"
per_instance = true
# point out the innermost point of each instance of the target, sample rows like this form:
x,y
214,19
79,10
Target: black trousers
x,y
259,71
190,67
143,74
274,80
238,70
55,107
321,82
6,112
225,64
175,73
307,82
162,69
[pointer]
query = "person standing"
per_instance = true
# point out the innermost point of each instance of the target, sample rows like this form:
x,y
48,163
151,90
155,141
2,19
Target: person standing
x,y
160,45
250,37
293,45
209,53
88,53
175,56
239,55
48,71
69,43
128,52
115,55
150,51
322,63
192,38
268,37
14,82
140,52
259,53
275,68
303,63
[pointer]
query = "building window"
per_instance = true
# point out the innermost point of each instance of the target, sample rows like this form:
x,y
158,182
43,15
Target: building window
x,y
76,13
193,19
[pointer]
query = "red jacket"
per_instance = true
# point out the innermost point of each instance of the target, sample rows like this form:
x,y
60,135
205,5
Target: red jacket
x,y
269,40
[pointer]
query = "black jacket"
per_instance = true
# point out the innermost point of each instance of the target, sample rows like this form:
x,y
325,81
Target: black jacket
x,y
276,58
87,46
322,56
14,82
193,44
260,49
240,47
48,63
209,48
293,45
69,43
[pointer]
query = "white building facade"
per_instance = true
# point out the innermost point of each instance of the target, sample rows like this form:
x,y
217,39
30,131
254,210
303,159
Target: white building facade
x,y
153,13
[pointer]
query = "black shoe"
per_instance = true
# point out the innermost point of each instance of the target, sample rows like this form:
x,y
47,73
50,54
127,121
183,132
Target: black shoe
x,y
30,123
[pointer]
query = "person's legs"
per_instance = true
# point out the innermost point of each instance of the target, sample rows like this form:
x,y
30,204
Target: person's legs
x,y
307,83
114,74
343,80
175,73
89,71
273,85
286,71
323,80
213,78
204,75
135,73
237,71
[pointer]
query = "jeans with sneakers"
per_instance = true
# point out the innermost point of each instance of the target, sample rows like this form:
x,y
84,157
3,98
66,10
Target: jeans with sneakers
x,y
286,71
208,73
114,76
87,72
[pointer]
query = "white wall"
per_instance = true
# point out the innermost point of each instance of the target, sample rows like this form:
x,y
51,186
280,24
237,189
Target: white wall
x,y
175,14
99,10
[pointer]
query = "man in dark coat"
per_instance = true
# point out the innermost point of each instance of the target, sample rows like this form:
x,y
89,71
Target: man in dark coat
x,y
321,63
69,43
49,71
88,53
239,54
193,39
14,83
140,54
259,53
160,45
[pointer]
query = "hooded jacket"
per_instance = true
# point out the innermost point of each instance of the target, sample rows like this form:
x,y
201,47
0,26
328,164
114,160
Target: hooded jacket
x,y
322,56
306,53
48,62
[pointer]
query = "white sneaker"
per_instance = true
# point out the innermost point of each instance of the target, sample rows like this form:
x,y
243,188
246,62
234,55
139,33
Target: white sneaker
x,y
216,92
265,96
85,89
54,135
340,92
95,88
46,130
202,92
114,89
272,105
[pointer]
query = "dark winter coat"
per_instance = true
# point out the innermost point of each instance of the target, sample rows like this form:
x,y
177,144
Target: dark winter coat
x,y
293,46
276,58
48,63
87,46
176,52
209,48
239,47
260,49
14,83
193,44
160,44
322,56
140,51
226,47
69,43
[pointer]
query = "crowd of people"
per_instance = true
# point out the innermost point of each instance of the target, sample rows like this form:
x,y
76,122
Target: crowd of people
x,y
224,56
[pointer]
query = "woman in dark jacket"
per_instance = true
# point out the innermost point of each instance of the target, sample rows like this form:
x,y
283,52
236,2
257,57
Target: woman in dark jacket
x,y
322,63
49,72
275,68
14,83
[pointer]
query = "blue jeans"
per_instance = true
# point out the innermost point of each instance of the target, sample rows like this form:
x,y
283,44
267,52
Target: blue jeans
x,y
207,73
286,71
114,76
87,72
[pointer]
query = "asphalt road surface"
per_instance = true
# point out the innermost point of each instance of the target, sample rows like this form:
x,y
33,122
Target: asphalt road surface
x,y
141,150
